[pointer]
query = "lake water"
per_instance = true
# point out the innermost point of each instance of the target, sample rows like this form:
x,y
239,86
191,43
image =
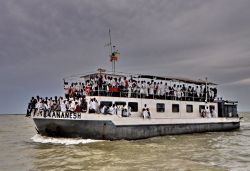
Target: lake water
x,y
22,149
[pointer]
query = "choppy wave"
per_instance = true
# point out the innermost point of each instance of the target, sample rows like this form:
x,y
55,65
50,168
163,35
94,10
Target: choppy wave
x,y
66,141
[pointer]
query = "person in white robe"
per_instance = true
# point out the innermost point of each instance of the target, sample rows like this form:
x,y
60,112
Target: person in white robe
x,y
151,89
63,106
162,89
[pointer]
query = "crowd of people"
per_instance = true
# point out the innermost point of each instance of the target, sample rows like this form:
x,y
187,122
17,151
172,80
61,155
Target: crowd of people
x,y
102,85
74,104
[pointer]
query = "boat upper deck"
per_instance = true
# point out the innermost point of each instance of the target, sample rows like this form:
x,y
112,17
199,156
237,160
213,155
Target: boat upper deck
x,y
117,84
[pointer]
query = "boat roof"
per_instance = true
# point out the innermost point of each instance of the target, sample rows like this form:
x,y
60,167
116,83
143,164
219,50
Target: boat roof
x,y
179,79
143,76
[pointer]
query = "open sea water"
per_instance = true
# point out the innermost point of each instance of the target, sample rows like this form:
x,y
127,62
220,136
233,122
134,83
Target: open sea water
x,y
21,149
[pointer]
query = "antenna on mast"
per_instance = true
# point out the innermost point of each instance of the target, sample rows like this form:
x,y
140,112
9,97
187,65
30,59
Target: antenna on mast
x,y
114,54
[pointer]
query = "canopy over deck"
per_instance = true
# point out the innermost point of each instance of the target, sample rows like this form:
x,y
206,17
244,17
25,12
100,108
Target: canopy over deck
x,y
143,76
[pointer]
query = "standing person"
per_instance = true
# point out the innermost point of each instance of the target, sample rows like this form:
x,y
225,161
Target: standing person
x,y
146,88
178,92
142,89
33,105
197,93
96,106
166,91
145,112
29,109
129,88
162,90
215,92
151,90
174,91
184,92
158,90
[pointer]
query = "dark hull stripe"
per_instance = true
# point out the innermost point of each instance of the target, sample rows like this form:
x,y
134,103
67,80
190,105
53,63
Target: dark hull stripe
x,y
91,129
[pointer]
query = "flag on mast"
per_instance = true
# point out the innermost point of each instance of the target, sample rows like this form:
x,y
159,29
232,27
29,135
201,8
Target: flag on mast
x,y
115,56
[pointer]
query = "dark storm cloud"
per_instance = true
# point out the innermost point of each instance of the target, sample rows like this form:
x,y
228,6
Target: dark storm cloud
x,y
43,40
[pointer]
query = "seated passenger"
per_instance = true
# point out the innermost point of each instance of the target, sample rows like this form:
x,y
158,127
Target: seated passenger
x,y
72,106
112,110
213,113
208,114
92,106
63,106
84,105
102,108
78,108
96,106
125,112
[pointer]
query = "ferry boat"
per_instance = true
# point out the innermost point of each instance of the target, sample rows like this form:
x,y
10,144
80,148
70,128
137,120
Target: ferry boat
x,y
113,106
136,114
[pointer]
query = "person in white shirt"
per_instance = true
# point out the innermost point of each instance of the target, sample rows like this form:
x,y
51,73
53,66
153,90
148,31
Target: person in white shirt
x,y
151,89
142,89
129,88
125,112
145,112
63,106
146,88
208,114
96,106
158,90
166,90
174,91
92,106
178,89
72,106
162,90
111,110
213,113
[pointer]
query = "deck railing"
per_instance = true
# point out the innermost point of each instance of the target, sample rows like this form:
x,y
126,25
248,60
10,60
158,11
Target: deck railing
x,y
116,92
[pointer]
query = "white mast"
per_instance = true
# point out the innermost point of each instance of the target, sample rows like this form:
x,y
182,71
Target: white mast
x,y
114,54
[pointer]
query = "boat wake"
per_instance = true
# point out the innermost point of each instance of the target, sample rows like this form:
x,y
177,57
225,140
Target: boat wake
x,y
66,141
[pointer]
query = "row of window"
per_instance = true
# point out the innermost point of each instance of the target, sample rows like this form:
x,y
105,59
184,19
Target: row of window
x,y
132,105
160,107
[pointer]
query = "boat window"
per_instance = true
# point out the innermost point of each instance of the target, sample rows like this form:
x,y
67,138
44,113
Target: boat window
x,y
230,110
211,107
201,107
106,103
189,108
134,106
175,108
160,107
120,103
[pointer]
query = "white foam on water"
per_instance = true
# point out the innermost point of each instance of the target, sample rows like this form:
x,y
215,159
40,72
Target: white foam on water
x,y
66,141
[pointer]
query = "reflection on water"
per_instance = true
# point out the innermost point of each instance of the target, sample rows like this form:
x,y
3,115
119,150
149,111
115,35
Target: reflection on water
x,y
21,149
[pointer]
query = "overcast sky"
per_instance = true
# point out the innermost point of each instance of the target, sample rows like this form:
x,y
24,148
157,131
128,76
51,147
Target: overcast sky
x,y
41,41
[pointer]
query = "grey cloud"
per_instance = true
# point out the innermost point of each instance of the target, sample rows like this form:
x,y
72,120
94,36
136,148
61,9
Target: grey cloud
x,y
42,41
